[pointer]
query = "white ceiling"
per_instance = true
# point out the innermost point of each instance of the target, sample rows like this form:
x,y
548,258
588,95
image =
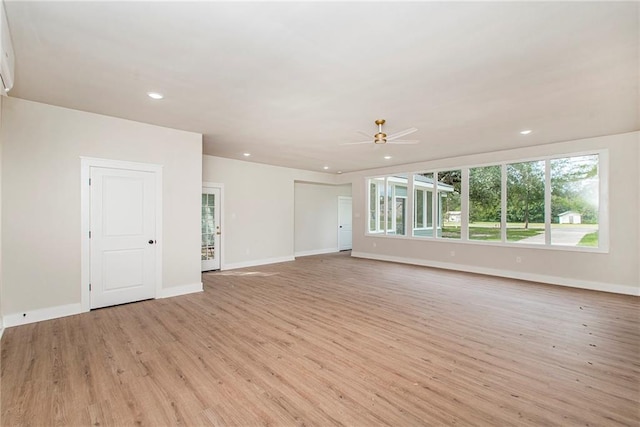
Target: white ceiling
x,y
290,82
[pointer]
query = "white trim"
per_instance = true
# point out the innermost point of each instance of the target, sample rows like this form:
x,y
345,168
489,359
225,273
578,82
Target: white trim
x,y
1,331
317,252
86,163
254,263
553,280
220,186
175,291
42,314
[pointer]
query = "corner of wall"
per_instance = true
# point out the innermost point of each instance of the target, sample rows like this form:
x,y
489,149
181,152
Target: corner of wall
x,y
1,321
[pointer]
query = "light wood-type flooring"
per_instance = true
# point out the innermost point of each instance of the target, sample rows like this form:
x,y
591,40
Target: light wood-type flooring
x,y
333,340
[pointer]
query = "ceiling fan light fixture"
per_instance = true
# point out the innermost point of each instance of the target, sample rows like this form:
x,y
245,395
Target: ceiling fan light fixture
x,y
380,138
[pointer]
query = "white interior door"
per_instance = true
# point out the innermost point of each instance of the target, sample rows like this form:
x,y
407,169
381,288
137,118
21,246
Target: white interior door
x,y
344,223
122,230
211,229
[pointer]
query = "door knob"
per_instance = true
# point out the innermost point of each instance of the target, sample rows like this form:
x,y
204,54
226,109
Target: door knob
x,y
151,242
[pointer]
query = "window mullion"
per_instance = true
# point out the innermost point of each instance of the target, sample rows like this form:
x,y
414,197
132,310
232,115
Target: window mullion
x,y
503,204
410,216
464,206
547,202
385,225
435,217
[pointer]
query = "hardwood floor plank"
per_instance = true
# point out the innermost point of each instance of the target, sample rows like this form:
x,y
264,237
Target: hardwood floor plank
x,y
333,340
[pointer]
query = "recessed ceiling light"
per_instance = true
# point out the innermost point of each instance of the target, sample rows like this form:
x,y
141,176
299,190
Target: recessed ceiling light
x,y
325,167
155,95
339,172
387,157
246,154
526,131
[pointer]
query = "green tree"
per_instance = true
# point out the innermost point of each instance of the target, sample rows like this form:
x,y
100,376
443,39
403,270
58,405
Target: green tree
x,y
484,194
451,200
525,192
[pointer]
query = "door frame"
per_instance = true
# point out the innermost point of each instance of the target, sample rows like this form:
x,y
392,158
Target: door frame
x,y
219,186
86,163
345,198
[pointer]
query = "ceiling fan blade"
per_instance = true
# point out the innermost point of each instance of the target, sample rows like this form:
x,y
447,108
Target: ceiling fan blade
x,y
401,134
404,141
365,134
357,143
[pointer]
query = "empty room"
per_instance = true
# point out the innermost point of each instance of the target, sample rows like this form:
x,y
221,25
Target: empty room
x,y
319,213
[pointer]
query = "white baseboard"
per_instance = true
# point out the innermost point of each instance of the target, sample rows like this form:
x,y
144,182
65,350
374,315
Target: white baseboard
x,y
552,280
257,262
175,291
31,316
49,313
316,252
1,332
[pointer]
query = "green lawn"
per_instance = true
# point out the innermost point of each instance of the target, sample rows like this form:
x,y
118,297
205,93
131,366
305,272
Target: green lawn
x,y
493,233
590,239
485,231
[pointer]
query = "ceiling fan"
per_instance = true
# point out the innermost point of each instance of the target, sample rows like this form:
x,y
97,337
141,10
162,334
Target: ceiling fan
x,y
382,138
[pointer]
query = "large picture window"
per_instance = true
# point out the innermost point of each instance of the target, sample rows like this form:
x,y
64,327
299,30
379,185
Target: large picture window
x,y
423,190
388,205
485,207
525,202
575,201
376,205
553,201
449,204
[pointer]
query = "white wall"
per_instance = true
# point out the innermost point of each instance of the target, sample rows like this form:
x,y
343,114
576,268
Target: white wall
x,y
258,213
1,322
42,146
316,217
615,271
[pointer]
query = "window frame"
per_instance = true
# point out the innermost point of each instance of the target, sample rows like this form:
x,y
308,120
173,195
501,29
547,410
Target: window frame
x,y
603,203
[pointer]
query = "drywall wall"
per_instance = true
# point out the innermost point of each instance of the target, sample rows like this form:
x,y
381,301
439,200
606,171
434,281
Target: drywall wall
x,y
258,209
316,217
1,322
615,271
42,146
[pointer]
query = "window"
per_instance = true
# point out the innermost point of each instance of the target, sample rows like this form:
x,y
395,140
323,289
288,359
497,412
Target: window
x,y
449,203
388,205
525,202
397,205
485,189
553,201
423,187
575,201
376,205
